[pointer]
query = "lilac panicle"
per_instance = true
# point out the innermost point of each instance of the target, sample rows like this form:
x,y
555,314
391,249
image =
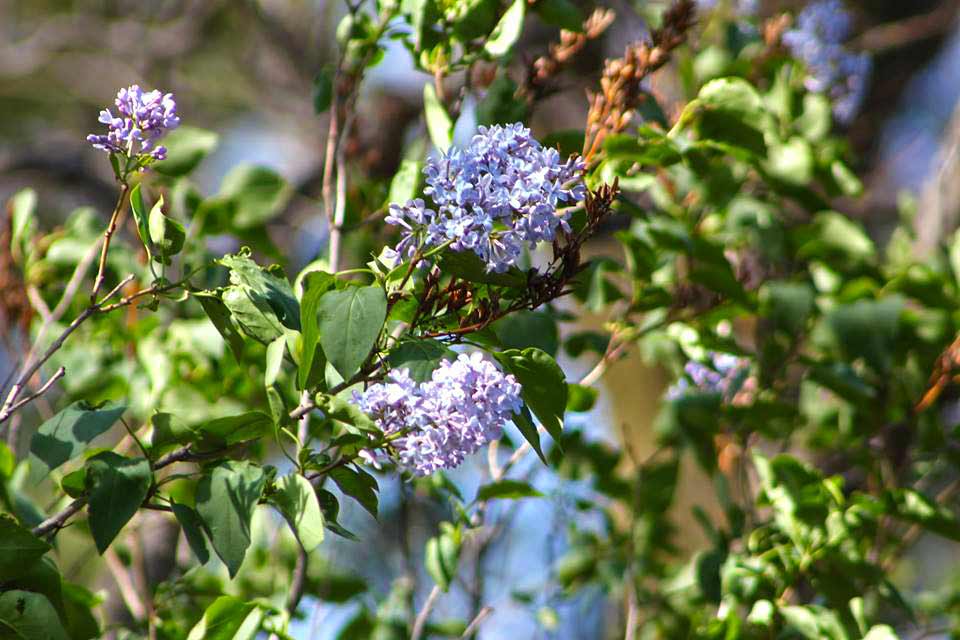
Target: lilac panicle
x,y
141,120
462,407
493,198
722,374
818,41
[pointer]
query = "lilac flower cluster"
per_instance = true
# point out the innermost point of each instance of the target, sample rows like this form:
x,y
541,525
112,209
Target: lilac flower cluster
x,y
493,198
741,7
463,407
723,374
143,118
817,40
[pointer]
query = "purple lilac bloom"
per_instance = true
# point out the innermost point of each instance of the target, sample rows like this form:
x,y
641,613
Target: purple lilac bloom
x,y
463,407
723,374
141,120
493,198
822,27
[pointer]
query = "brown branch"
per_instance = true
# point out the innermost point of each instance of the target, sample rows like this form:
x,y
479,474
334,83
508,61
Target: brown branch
x,y
107,236
893,35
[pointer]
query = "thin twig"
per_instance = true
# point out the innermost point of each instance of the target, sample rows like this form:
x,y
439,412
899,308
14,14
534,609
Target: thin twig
x,y
58,521
474,625
421,622
107,236
42,390
128,591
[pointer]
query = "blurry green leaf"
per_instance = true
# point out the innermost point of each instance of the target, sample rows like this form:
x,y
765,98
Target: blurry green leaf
x,y
814,622
29,616
912,506
580,398
866,329
359,485
438,122
142,217
116,486
881,632
186,148
419,357
442,555
561,13
257,193
791,161
787,305
528,329
507,489
350,321
323,90
230,430
833,236
507,31
543,383
18,548
226,496
228,618
192,527
297,502
816,119
850,185
405,182
500,104
67,434
23,220
77,604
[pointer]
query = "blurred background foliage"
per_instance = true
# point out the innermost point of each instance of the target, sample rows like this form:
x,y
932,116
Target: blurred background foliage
x,y
258,74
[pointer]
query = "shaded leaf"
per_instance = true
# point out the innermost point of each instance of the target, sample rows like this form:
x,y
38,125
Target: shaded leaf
x,y
67,434
226,496
116,488
297,501
350,322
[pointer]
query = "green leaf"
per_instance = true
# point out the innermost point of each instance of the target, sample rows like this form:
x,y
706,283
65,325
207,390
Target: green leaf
x,y
561,13
116,487
350,321
23,218
257,193
866,329
67,434
77,604
507,31
186,148
166,234
298,503
543,383
438,122
192,527
580,398
228,618
275,352
405,182
529,431
787,305
913,506
219,315
419,357
230,430
359,485
29,616
500,104
141,217
792,161
168,429
226,496
18,548
315,285
346,412
814,622
467,265
528,329
442,555
507,489
267,288
881,632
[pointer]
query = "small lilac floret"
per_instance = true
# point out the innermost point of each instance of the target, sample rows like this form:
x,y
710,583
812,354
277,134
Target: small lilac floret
x,y
722,374
461,408
818,41
141,120
493,198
